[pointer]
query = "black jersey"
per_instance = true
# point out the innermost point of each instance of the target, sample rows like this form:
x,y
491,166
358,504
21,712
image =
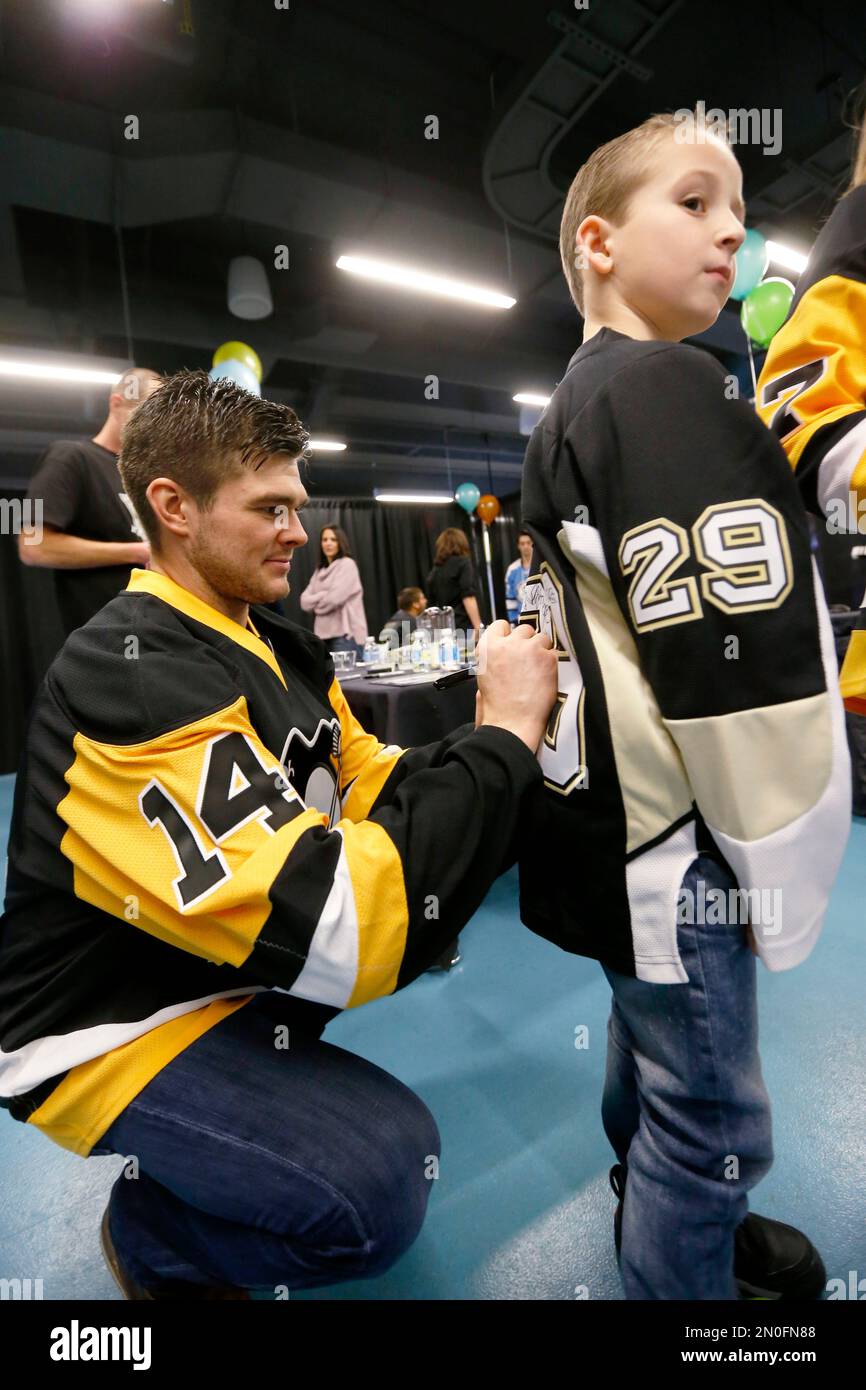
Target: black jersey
x,y
698,702
198,818
812,393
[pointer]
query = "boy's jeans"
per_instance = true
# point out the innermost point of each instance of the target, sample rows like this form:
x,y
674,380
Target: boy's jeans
x,y
685,1107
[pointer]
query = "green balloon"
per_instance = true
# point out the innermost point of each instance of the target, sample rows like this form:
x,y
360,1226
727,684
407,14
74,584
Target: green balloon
x,y
766,308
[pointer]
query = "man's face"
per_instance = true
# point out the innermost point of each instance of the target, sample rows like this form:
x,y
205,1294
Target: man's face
x,y
244,545
524,545
124,404
419,605
673,254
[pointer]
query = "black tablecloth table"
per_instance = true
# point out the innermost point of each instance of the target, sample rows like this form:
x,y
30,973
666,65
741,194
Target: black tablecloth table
x,y
410,715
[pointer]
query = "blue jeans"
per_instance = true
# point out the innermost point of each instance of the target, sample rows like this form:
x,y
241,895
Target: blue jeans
x,y
686,1109
261,1167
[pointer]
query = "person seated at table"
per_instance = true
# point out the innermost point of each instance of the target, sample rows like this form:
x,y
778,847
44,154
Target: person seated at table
x,y
411,603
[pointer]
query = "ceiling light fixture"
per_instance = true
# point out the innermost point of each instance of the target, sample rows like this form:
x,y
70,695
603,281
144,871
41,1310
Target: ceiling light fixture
x,y
407,277
786,256
531,398
50,371
432,498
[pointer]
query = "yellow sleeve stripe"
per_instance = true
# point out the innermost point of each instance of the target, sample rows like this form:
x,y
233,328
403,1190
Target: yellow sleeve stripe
x,y
366,762
376,872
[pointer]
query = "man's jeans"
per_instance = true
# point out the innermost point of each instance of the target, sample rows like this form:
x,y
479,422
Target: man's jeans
x,y
262,1167
686,1109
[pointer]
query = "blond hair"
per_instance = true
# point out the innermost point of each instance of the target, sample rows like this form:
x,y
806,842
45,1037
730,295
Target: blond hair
x,y
603,186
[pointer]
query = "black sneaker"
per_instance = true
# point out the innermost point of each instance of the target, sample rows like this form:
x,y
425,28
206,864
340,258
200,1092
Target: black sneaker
x,y
771,1260
450,957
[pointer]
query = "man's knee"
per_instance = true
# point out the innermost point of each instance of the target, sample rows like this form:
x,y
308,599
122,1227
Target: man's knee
x,y
380,1200
396,1190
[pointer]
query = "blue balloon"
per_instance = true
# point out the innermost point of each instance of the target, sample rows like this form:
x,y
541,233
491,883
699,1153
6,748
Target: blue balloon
x,y
467,496
239,373
750,263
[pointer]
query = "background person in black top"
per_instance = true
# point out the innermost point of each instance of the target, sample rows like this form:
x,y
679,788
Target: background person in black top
x,y
91,536
452,582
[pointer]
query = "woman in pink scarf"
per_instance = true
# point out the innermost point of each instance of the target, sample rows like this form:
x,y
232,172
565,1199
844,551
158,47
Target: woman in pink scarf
x,y
336,596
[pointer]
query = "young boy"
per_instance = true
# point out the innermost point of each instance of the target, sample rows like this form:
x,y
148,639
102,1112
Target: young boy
x,y
697,746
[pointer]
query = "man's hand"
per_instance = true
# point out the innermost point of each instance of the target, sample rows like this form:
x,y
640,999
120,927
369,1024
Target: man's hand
x,y
517,681
139,552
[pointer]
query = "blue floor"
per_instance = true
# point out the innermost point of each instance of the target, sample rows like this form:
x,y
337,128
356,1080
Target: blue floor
x,y
522,1207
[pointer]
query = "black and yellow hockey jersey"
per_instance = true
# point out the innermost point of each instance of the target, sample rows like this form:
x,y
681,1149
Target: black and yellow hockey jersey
x,y
198,817
812,392
698,704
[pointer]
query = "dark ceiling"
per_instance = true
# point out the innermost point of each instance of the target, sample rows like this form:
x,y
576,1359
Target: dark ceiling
x,y
304,127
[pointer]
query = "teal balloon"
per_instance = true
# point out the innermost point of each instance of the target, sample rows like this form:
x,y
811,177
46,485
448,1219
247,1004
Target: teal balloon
x,y
766,308
750,263
467,496
239,373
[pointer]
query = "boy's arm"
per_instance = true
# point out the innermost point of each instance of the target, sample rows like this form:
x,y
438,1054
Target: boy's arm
x,y
706,544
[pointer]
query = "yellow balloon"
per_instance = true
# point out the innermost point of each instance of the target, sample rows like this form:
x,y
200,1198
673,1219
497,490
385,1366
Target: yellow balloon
x,y
241,352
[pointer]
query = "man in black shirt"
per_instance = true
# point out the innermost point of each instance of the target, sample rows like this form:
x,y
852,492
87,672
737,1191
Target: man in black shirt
x,y
91,535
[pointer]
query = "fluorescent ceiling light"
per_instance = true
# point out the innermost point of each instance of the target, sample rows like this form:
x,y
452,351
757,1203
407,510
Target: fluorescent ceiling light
x,y
786,256
68,376
412,279
326,446
530,398
433,498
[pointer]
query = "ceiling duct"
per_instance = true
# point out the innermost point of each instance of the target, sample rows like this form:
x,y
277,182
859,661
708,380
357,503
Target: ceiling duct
x,y
516,168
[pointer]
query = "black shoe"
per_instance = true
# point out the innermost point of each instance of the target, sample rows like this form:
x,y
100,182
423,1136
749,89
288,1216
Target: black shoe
x,y
771,1260
450,956
173,1292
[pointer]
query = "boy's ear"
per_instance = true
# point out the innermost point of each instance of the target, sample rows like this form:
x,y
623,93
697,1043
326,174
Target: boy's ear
x,y
591,247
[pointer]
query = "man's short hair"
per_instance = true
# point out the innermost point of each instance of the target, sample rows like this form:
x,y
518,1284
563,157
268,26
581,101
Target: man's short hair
x,y
407,597
200,433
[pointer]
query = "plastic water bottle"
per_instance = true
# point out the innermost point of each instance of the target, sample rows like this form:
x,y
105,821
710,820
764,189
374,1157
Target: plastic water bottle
x,y
371,651
416,649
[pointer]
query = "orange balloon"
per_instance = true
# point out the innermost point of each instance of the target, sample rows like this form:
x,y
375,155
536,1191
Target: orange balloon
x,y
488,508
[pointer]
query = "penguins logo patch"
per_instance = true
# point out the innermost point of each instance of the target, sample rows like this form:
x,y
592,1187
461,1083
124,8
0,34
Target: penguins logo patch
x,y
312,767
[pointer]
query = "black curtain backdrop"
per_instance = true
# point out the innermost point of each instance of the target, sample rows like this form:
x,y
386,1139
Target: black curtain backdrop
x,y
394,546
392,543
